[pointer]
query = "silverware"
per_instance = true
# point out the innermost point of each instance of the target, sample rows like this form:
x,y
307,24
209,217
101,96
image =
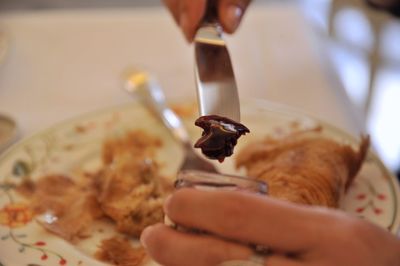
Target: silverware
x,y
143,85
215,80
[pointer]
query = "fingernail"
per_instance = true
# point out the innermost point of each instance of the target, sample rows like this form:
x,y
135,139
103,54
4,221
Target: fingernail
x,y
233,16
184,24
167,203
145,235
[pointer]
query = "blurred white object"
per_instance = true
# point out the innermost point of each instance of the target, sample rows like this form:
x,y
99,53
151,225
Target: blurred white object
x,y
364,47
363,31
8,132
3,45
8,127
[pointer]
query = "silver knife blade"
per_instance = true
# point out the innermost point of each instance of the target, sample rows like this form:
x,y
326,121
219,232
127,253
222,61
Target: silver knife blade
x,y
215,80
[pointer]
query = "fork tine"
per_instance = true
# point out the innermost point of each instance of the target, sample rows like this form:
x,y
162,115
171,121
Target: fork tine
x,y
192,161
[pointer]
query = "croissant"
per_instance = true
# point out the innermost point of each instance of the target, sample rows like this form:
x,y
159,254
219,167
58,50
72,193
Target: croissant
x,y
304,167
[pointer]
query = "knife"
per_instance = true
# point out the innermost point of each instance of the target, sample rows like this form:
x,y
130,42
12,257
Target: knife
x,y
215,80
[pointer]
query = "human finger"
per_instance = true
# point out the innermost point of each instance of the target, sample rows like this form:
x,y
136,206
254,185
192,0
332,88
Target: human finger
x,y
248,218
230,13
384,3
170,247
278,260
190,14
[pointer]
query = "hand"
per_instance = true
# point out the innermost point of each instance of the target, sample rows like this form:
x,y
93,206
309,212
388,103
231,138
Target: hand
x,y
297,235
189,13
385,3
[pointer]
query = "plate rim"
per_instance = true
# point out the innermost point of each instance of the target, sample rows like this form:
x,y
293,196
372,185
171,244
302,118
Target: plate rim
x,y
266,105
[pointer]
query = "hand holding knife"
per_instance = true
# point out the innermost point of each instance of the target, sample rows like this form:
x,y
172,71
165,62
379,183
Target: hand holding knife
x,y
188,14
215,80
204,22
217,92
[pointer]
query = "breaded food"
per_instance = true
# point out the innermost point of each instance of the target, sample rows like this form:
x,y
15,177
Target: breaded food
x,y
136,143
68,207
304,167
128,188
131,189
120,252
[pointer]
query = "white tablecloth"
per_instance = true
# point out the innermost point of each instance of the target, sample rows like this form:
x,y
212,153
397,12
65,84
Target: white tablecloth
x,y
67,62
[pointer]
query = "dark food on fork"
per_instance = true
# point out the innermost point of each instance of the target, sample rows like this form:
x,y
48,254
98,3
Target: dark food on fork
x,y
219,137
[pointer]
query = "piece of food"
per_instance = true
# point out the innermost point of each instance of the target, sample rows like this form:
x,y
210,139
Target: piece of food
x,y
130,187
135,143
219,137
128,190
120,252
304,167
68,207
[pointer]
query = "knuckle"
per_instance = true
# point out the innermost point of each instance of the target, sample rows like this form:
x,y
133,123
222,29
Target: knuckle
x,y
225,251
233,213
178,203
354,227
214,256
157,241
349,230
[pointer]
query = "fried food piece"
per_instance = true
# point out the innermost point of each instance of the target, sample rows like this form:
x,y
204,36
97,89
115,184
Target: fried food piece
x,y
131,189
45,194
305,167
136,143
128,189
70,207
120,252
131,195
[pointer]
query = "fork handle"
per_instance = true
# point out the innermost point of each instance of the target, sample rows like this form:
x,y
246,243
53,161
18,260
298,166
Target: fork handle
x,y
153,96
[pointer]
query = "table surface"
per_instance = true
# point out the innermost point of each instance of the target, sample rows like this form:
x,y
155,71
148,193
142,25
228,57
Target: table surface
x,y
62,63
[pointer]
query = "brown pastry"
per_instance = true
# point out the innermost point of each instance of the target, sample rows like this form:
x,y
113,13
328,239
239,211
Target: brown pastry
x,y
70,206
130,188
120,252
305,167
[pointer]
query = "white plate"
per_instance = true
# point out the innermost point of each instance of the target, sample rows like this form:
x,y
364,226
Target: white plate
x,y
76,144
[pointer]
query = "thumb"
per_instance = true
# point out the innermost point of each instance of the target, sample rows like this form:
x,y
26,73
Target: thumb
x,y
230,13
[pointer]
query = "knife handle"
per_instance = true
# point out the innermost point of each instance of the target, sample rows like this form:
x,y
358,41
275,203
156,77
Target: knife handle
x,y
211,13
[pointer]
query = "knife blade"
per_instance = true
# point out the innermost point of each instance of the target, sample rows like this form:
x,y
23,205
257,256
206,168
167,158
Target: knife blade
x,y
215,80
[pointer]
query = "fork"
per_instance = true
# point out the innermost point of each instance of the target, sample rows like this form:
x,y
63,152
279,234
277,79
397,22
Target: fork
x,y
145,86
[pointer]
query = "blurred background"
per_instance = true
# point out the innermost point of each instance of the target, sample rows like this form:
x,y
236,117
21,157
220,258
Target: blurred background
x,y
363,45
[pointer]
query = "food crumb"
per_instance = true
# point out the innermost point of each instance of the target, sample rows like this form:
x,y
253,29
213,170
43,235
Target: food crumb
x,y
120,252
